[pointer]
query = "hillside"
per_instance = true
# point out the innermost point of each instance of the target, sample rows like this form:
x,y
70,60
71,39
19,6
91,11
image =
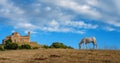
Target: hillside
x,y
60,56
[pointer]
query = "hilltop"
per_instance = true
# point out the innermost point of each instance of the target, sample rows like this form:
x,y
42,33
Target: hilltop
x,y
60,56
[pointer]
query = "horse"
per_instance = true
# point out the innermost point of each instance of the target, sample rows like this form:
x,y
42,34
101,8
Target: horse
x,y
88,40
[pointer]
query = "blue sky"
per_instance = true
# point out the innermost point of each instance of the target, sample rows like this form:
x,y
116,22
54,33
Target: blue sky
x,y
66,21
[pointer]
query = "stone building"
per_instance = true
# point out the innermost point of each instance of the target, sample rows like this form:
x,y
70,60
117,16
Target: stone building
x,y
16,37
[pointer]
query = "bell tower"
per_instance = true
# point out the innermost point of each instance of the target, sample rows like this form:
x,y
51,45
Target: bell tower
x,y
28,33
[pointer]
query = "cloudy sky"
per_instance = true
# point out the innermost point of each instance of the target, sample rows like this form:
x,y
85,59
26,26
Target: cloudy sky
x,y
66,21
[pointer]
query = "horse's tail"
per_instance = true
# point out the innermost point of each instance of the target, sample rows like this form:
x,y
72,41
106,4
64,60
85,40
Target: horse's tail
x,y
95,43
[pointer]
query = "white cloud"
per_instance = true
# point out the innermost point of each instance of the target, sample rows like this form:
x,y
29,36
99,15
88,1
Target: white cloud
x,y
54,23
92,2
98,10
9,10
75,6
26,27
105,11
109,29
48,8
67,26
61,15
81,24
31,31
115,23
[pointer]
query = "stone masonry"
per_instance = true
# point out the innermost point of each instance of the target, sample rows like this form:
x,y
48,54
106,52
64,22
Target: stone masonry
x,y
16,37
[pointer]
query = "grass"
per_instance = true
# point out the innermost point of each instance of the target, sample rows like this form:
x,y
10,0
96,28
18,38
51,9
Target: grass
x,y
60,56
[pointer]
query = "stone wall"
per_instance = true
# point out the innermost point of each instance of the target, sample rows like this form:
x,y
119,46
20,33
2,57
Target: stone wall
x,y
16,37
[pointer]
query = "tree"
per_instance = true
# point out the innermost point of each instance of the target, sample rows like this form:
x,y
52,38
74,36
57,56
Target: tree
x,y
59,45
8,41
45,46
25,46
11,46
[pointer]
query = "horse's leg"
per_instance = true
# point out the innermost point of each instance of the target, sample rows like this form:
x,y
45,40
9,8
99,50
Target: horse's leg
x,y
93,45
80,45
86,46
96,46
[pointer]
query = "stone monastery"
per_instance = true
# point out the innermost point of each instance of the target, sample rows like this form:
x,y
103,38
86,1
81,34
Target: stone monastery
x,y
16,37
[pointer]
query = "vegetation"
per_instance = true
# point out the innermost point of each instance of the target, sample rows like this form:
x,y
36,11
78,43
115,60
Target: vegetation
x,y
25,46
8,41
46,46
35,47
11,46
2,48
57,45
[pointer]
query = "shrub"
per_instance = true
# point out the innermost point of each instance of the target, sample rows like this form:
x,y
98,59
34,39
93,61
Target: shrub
x,y
11,46
2,48
45,46
25,46
35,47
59,45
69,47
9,41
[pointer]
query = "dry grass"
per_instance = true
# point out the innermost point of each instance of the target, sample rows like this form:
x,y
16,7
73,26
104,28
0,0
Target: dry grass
x,y
59,56
32,44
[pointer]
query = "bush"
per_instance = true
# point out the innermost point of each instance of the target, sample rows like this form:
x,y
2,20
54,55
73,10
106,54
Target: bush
x,y
59,45
45,46
11,46
9,41
35,47
25,46
2,48
69,47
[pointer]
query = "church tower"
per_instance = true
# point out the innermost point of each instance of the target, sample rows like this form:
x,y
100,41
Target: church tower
x,y
29,34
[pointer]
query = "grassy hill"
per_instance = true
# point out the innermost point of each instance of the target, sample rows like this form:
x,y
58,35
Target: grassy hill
x,y
60,56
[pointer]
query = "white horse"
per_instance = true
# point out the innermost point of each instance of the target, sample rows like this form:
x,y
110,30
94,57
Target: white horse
x,y
88,40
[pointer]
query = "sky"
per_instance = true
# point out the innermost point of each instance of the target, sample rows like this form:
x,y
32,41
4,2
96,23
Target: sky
x,y
66,21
